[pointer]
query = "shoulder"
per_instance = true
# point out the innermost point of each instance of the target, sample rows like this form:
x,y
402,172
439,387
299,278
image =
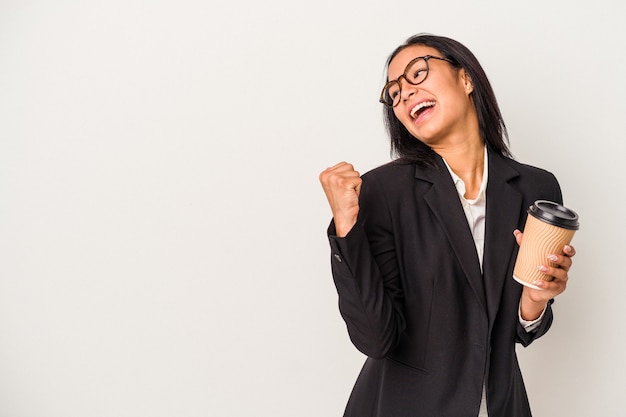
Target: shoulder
x,y
392,175
526,171
391,169
386,185
532,180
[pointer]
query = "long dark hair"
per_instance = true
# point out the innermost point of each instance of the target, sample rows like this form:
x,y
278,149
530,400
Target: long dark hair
x,y
493,132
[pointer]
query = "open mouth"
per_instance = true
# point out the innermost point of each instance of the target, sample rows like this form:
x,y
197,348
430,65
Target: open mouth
x,y
420,108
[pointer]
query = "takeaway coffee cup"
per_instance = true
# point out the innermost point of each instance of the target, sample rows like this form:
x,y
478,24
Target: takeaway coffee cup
x,y
549,227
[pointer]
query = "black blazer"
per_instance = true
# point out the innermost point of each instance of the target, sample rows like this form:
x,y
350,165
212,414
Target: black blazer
x,y
415,301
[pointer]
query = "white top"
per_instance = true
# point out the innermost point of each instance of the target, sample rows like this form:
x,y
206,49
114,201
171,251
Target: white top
x,y
474,209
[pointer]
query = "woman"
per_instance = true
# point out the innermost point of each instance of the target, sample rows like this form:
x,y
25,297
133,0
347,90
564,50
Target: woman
x,y
423,248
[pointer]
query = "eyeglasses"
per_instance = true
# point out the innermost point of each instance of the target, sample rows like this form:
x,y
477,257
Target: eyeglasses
x,y
415,73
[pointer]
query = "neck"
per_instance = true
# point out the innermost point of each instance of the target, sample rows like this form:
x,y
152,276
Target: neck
x,y
467,161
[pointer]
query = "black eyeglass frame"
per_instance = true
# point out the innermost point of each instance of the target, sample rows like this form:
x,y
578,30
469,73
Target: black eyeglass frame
x,y
404,75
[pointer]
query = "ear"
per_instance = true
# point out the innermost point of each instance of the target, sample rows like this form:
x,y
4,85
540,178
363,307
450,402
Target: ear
x,y
467,82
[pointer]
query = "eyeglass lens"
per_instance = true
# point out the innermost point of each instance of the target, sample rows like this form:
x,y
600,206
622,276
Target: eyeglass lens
x,y
415,73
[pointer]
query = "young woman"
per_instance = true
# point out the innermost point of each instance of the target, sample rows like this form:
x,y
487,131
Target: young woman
x,y
423,248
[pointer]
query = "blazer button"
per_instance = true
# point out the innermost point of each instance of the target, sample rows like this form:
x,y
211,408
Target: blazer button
x,y
337,257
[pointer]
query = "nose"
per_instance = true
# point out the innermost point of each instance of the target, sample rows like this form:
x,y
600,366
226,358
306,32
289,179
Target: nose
x,y
406,89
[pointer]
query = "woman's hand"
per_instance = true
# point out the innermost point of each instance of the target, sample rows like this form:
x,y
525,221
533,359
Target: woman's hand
x,y
534,301
342,185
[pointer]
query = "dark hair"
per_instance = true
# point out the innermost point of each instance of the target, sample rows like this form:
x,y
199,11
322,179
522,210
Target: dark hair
x,y
492,128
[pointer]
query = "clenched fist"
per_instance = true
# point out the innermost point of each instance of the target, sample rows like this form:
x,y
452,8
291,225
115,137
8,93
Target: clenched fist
x,y
342,185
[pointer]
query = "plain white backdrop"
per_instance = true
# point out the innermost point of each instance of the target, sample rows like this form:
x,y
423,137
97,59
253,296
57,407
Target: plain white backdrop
x,y
162,228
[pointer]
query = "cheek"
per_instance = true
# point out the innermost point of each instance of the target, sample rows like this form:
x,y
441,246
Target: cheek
x,y
399,115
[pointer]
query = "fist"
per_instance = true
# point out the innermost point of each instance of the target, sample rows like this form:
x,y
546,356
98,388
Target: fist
x,y
342,185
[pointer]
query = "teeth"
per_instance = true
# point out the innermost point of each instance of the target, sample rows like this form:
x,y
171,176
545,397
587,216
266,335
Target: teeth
x,y
421,106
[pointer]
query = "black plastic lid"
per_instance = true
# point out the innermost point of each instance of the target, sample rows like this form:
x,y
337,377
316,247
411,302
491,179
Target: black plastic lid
x,y
555,214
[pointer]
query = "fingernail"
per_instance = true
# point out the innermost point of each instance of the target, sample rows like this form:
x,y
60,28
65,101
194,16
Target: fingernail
x,y
553,258
567,248
538,283
542,268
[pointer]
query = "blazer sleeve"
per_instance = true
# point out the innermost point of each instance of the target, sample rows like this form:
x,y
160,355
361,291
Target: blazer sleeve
x,y
526,338
366,276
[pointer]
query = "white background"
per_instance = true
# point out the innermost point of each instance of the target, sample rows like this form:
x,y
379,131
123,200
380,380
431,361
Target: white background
x,y
162,228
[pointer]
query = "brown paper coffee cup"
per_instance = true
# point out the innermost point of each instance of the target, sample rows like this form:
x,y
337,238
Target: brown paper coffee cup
x,y
549,227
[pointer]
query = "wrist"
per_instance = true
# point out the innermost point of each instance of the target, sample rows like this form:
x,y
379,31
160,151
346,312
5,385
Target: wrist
x,y
531,309
343,228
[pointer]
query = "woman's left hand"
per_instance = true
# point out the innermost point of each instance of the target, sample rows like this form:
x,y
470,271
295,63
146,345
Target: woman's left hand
x,y
557,266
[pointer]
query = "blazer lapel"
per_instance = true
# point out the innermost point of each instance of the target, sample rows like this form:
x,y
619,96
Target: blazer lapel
x,y
443,200
504,207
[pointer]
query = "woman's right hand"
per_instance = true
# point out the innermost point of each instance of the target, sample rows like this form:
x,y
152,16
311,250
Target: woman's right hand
x,y
342,185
